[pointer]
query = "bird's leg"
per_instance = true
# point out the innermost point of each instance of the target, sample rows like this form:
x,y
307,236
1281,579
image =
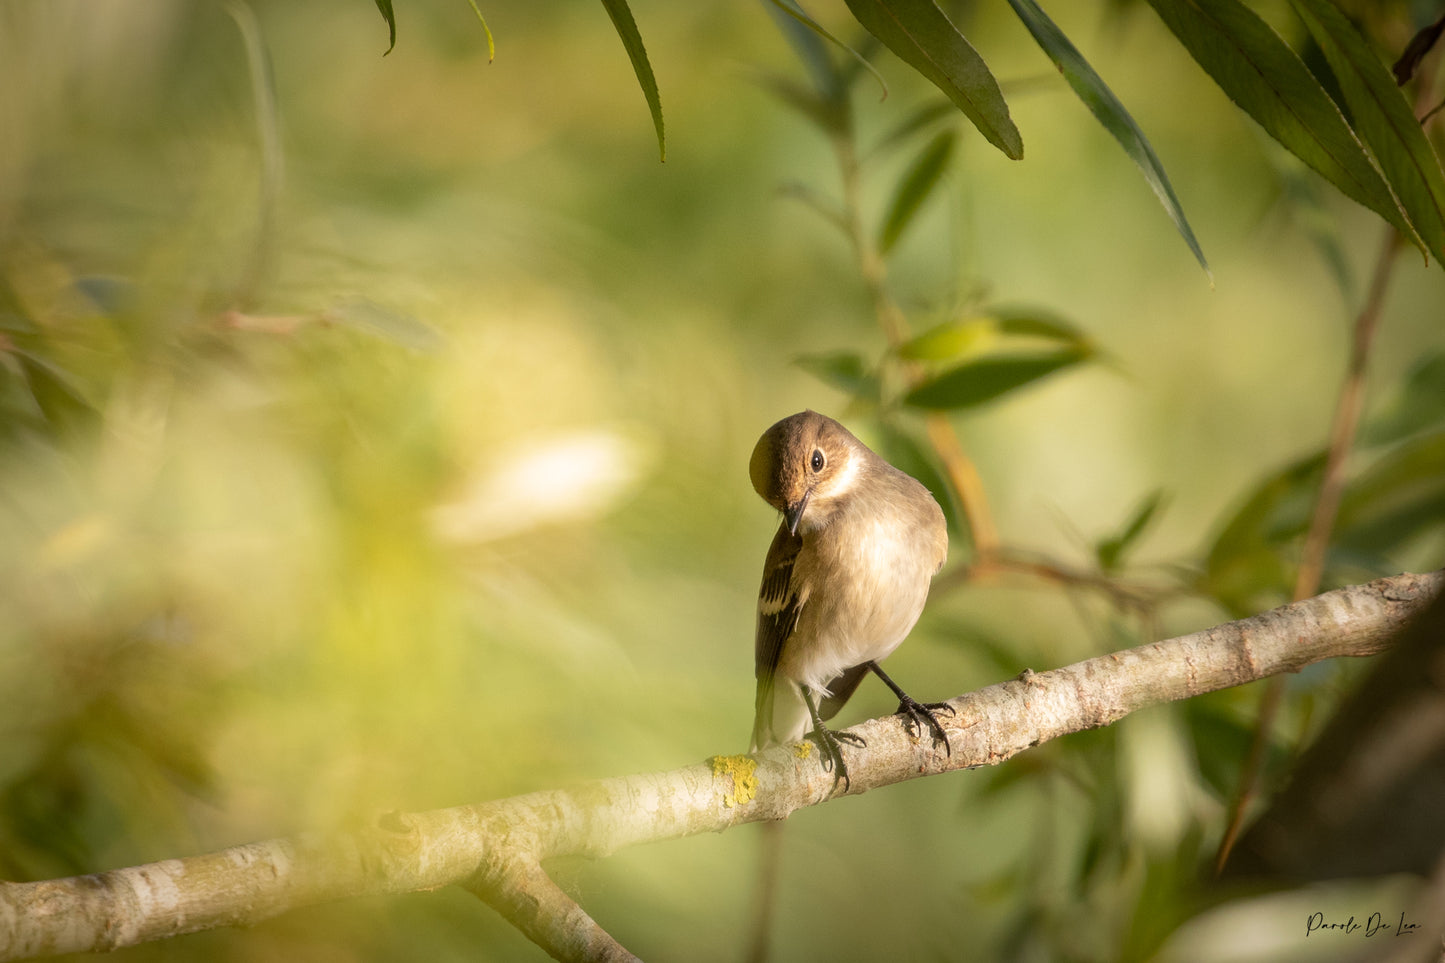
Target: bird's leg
x,y
828,742
914,711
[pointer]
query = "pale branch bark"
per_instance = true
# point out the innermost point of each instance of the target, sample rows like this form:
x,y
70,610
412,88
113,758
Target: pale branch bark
x,y
495,848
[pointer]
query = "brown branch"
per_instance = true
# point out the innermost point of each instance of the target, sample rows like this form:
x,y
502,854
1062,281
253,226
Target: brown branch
x,y
495,848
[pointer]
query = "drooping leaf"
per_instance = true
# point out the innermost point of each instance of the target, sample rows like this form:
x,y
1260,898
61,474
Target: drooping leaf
x,y
626,28
386,14
1415,51
1245,570
974,334
914,189
835,83
491,44
829,114
930,113
1398,499
1035,322
1111,551
977,382
951,340
1261,74
1383,119
844,370
1110,112
59,401
924,38
1419,403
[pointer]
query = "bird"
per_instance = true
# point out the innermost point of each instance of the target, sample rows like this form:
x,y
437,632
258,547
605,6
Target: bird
x,y
844,581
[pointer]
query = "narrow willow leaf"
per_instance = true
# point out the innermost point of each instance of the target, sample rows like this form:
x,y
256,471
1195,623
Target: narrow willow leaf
x,y
491,44
1033,322
925,39
843,370
1110,112
978,382
626,27
61,404
1111,551
915,188
797,15
1415,51
922,118
1245,570
386,14
1383,120
1398,501
1417,404
1261,74
951,340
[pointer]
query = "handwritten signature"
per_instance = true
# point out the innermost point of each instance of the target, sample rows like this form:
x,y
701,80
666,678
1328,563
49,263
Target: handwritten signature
x,y
1374,925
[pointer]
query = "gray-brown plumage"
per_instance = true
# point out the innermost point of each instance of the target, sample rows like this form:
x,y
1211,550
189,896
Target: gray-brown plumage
x,y
845,578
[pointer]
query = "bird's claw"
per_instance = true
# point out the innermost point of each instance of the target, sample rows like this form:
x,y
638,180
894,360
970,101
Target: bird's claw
x,y
912,711
829,746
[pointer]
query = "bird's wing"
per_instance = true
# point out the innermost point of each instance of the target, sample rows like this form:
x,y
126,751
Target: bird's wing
x,y
778,606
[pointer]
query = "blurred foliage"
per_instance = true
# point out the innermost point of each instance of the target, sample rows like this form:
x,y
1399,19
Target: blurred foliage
x,y
373,436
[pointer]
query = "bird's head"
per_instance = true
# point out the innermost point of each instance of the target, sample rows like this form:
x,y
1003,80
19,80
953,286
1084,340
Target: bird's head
x,y
802,464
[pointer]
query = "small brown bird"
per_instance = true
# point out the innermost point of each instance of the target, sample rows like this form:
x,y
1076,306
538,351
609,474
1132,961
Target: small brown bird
x,y
844,582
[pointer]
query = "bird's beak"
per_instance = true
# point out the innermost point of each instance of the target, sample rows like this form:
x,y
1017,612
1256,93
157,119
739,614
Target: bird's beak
x,y
793,514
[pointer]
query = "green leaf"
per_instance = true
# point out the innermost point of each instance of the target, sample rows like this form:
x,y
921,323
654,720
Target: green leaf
x,y
977,382
386,14
924,38
844,370
1245,570
930,113
61,404
1110,112
1383,119
1032,322
830,81
1419,403
1268,81
950,340
1397,500
914,189
632,40
1111,551
972,335
491,44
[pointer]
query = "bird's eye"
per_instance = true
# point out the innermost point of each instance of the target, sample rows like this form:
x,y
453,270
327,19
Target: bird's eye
x,y
818,459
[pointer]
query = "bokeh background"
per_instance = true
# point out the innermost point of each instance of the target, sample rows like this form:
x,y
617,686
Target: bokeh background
x,y
413,473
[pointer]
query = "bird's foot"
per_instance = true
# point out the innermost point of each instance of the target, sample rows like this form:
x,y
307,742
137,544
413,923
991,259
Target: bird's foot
x,y
830,746
918,714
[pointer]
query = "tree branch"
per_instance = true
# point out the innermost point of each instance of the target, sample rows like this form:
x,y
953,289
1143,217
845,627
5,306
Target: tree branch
x,y
495,848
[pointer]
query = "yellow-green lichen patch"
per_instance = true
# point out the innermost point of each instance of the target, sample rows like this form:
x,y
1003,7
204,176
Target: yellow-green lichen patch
x,y
744,783
803,750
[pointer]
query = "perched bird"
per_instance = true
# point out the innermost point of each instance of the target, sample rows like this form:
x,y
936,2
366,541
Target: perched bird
x,y
844,581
